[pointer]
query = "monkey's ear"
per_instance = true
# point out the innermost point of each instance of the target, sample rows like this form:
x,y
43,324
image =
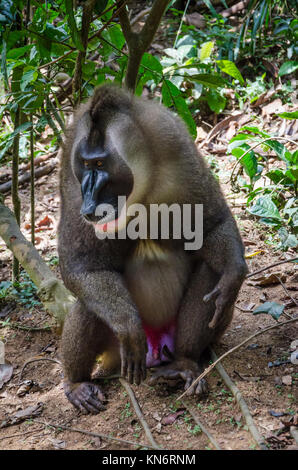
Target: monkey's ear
x,y
107,100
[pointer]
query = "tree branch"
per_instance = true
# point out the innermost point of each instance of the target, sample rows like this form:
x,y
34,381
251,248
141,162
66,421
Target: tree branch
x,y
241,402
138,43
56,298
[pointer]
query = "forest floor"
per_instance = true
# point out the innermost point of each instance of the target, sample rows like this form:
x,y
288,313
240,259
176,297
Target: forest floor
x,y
270,392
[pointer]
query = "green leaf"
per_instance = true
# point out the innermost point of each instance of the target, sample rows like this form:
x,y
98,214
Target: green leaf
x,y
76,37
278,176
280,150
271,308
116,36
18,52
265,207
169,91
29,76
249,161
291,115
209,80
287,240
171,96
228,67
100,6
154,66
211,8
254,130
206,50
215,101
288,67
185,114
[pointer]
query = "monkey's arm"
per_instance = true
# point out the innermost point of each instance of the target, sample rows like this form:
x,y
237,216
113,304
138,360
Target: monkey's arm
x,y
223,251
103,292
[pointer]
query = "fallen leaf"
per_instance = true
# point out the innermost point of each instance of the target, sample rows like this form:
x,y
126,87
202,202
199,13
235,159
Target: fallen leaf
x,y
22,415
38,240
58,443
268,279
171,418
277,414
195,19
5,373
46,221
156,416
273,107
28,386
287,380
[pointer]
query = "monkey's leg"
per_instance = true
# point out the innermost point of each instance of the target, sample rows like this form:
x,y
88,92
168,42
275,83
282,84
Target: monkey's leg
x,y
193,334
84,338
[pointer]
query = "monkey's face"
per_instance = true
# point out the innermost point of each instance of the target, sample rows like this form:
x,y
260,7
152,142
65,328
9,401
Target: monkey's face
x,y
104,176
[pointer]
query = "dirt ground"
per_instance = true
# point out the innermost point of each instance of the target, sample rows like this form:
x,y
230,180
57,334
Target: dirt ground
x,y
268,391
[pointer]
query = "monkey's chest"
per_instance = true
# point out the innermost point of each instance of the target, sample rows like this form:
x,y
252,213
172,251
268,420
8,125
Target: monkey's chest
x,y
156,279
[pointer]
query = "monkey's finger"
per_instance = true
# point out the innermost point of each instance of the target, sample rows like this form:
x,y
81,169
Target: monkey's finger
x,y
94,405
98,393
217,315
130,371
137,374
202,388
165,374
124,364
212,295
188,377
144,369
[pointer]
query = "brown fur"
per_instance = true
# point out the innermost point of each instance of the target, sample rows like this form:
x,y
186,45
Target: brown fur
x,y
119,283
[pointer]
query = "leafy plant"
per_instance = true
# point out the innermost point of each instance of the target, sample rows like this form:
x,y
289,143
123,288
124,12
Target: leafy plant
x,y
275,201
23,292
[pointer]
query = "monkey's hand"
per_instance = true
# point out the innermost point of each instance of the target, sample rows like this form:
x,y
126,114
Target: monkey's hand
x,y
133,349
224,294
86,396
184,369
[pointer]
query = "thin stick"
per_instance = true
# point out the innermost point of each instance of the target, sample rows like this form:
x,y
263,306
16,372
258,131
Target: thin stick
x,y
180,25
209,369
287,292
93,434
271,266
139,413
36,360
18,326
202,426
241,402
21,434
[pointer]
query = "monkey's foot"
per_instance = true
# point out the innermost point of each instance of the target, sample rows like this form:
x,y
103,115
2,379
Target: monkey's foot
x,y
186,370
86,396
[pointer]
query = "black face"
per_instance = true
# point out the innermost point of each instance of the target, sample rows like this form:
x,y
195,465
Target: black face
x,y
103,177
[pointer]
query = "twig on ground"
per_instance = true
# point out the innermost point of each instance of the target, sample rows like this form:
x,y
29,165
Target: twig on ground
x,y
43,170
271,266
21,434
18,326
286,290
241,402
209,369
139,413
36,360
202,426
93,434
39,160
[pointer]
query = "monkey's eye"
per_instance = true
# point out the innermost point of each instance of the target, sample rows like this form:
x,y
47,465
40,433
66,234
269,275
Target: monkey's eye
x,y
99,163
86,164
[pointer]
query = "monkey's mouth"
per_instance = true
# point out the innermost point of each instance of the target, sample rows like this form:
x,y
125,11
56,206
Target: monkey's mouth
x,y
107,220
111,222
